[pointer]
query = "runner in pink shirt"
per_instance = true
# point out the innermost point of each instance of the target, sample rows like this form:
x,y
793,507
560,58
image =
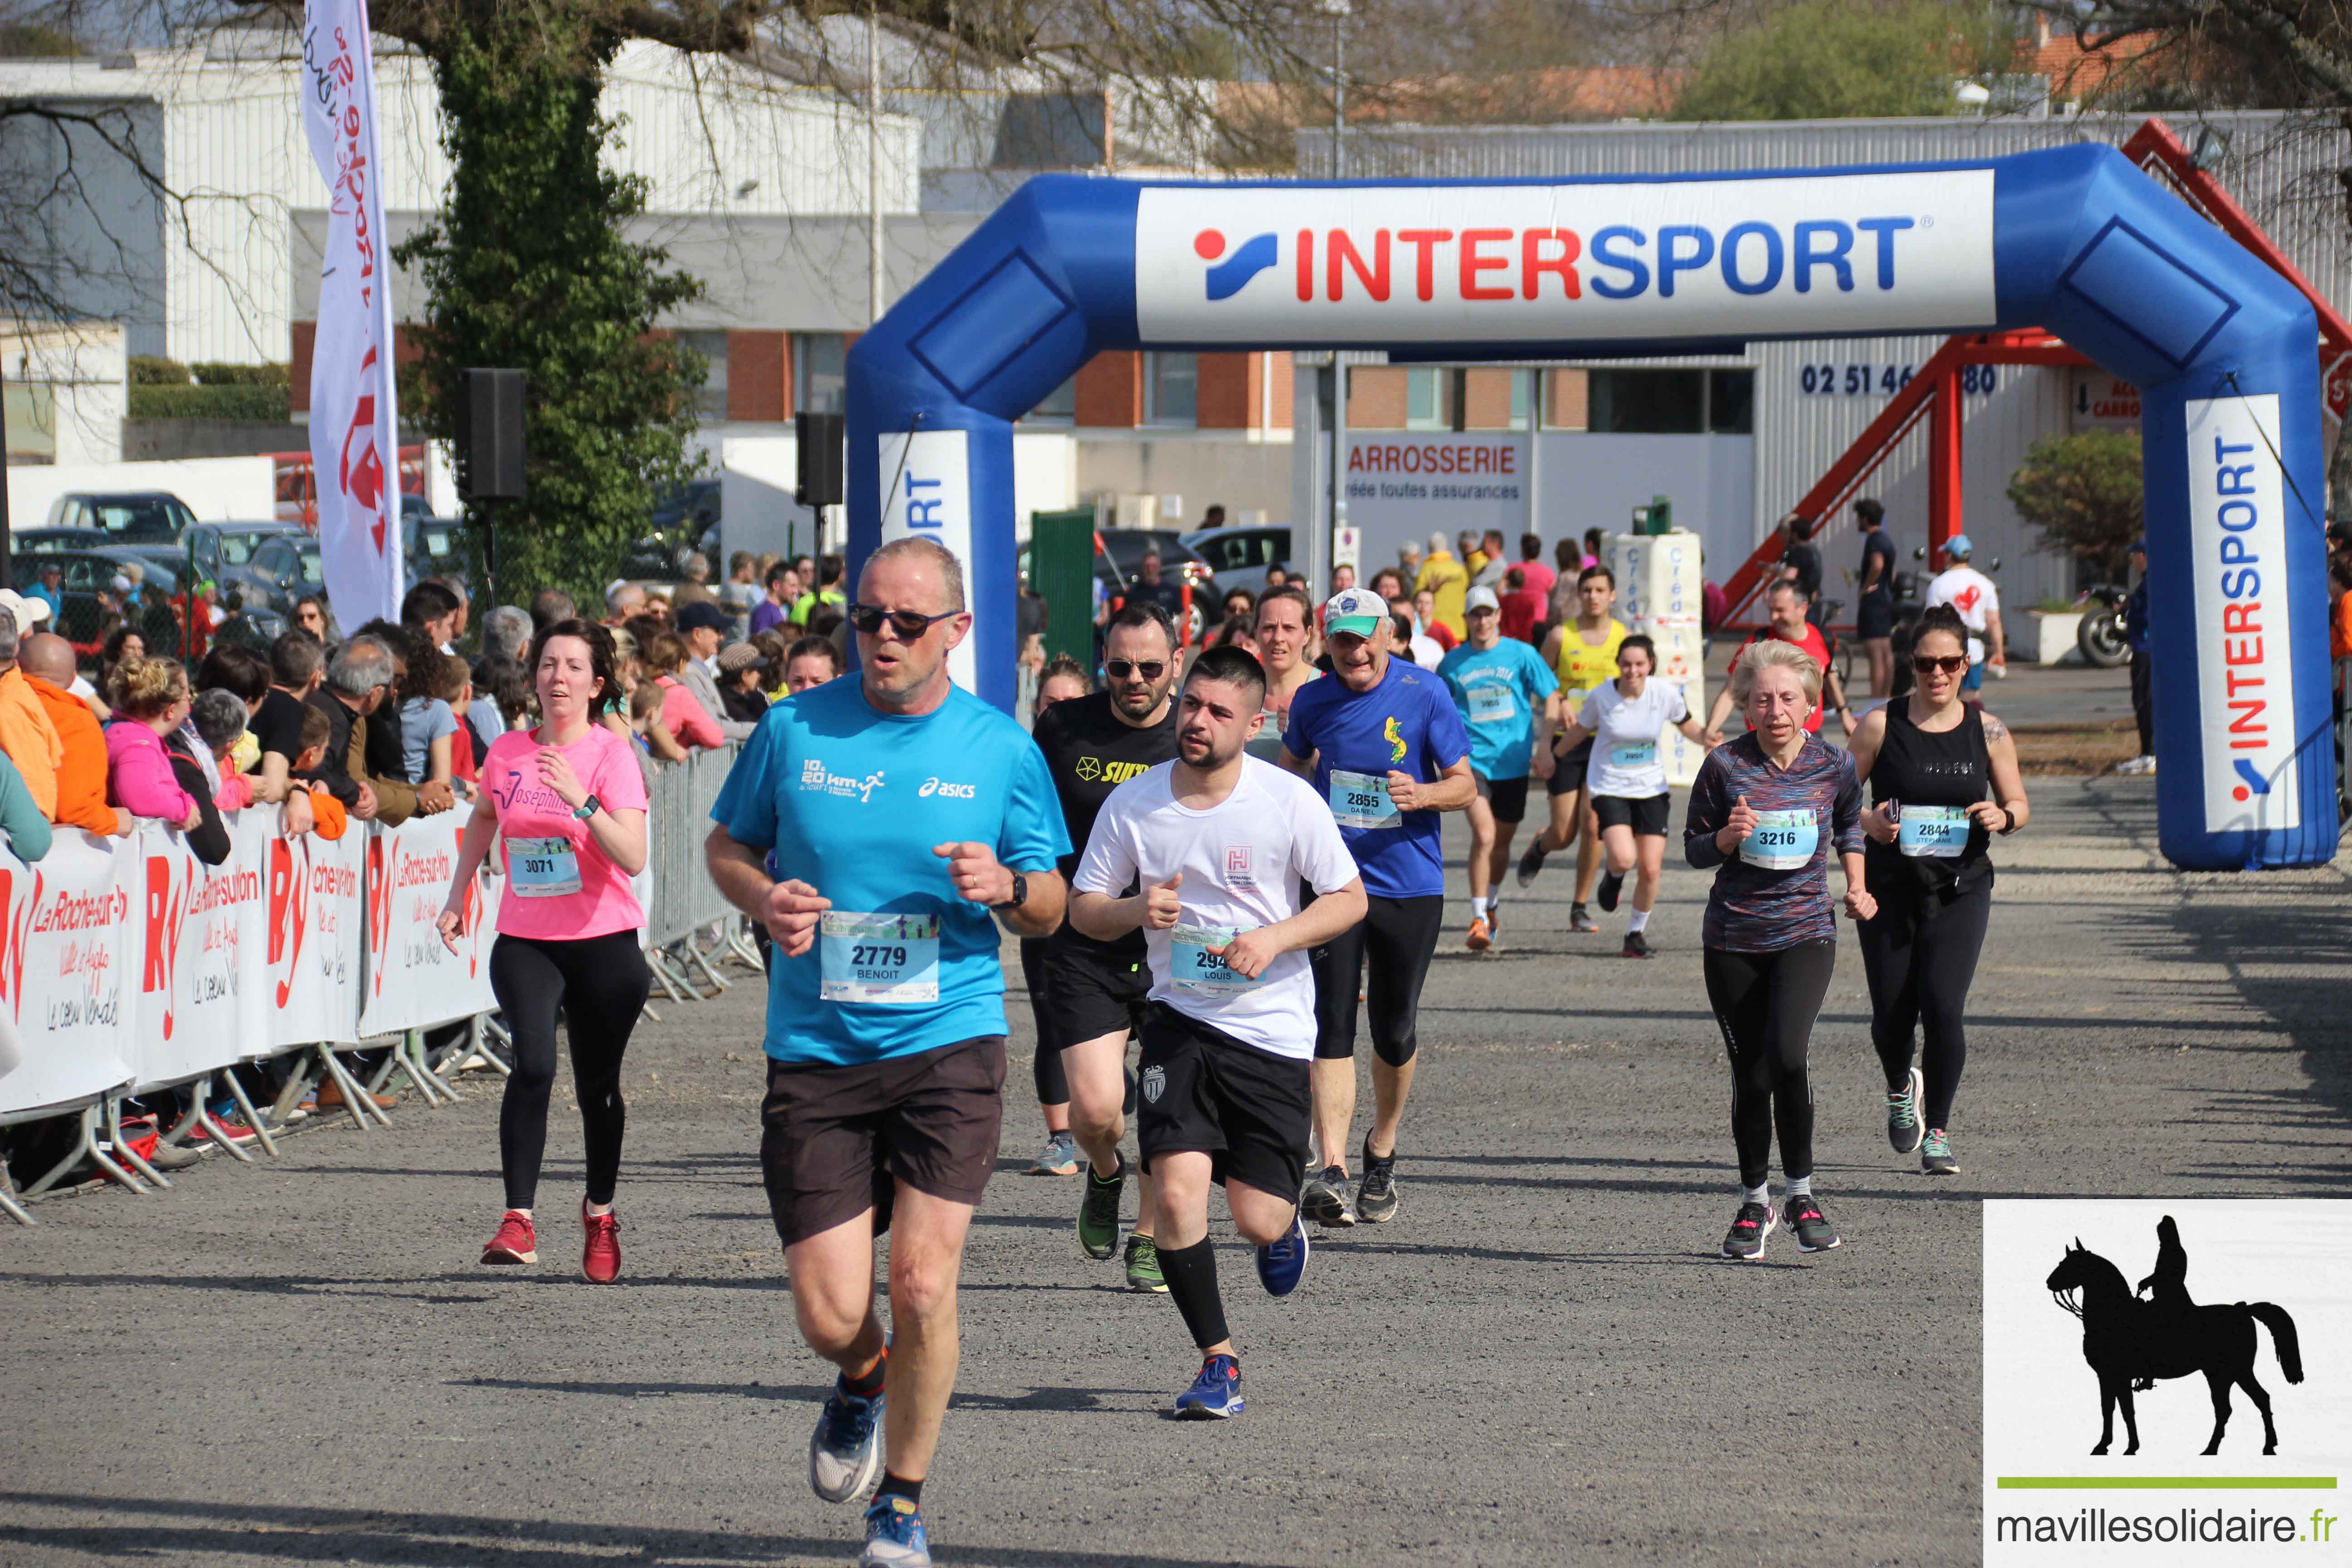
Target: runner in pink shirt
x,y
569,804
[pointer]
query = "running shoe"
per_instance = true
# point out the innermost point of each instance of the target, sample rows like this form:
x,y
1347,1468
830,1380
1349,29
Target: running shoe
x,y
1902,1114
1494,919
1280,1264
1935,1157
516,1241
1143,1266
1375,1194
1480,938
1215,1395
1325,1198
1813,1228
1098,1211
1636,945
1611,884
1059,1157
1531,863
845,1449
1745,1241
1580,919
895,1537
600,1260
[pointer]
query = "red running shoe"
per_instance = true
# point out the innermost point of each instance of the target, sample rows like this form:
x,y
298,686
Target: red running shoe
x,y
601,1261
516,1241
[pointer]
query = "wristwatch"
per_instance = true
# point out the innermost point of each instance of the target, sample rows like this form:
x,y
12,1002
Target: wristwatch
x,y
1020,893
588,808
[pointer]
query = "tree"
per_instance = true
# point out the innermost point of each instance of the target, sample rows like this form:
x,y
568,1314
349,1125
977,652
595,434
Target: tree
x,y
1833,59
2083,494
528,267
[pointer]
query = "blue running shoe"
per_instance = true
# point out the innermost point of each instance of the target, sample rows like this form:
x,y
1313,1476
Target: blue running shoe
x,y
845,1449
895,1537
1280,1264
1215,1395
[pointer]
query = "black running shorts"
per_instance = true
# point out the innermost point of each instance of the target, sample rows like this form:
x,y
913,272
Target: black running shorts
x,y
1205,1092
1507,798
1874,615
834,1141
1568,772
1647,818
1086,992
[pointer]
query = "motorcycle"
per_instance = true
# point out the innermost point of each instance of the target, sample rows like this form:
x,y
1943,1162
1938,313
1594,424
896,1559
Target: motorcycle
x,y
2101,636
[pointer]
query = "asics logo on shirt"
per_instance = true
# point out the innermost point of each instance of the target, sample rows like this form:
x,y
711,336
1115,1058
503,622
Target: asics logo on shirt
x,y
938,786
1395,738
814,776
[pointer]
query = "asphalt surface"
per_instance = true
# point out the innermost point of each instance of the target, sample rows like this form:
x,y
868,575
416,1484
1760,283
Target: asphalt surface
x,y
1538,1360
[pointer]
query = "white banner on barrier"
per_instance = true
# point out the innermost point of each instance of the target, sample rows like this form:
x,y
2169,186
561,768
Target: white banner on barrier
x,y
69,952
413,979
199,996
314,955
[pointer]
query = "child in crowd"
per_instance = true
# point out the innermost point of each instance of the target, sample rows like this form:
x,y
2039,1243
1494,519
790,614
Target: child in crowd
x,y
318,730
428,727
219,717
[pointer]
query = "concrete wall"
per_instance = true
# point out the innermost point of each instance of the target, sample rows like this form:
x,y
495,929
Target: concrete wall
x,y
1204,466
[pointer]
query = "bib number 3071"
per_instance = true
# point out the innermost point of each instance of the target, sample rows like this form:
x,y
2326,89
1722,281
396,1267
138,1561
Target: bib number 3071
x,y
1783,841
543,868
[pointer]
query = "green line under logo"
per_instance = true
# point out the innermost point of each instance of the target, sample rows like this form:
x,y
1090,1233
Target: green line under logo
x,y
2165,1483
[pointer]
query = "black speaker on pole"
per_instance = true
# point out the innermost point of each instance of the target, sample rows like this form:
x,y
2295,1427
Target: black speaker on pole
x,y
489,445
821,439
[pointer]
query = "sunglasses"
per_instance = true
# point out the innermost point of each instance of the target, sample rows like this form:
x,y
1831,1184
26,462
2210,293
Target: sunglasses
x,y
1120,668
908,624
1924,663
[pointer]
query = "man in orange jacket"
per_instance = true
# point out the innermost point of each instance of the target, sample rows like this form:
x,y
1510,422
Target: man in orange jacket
x,y
46,661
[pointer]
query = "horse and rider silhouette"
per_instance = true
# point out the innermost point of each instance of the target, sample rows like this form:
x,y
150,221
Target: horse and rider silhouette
x,y
2130,1343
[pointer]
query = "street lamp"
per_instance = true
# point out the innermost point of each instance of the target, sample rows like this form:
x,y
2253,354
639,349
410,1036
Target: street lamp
x,y
1338,10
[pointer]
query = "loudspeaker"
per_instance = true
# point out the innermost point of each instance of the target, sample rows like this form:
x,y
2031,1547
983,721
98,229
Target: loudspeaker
x,y
489,445
821,439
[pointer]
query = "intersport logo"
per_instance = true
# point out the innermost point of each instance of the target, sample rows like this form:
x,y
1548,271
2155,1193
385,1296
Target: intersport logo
x,y
1638,259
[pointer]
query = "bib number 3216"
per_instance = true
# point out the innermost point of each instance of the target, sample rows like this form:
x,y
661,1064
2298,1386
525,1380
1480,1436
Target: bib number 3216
x,y
1783,841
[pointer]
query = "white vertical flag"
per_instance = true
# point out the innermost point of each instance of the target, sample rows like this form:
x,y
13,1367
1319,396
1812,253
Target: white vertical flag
x,y
354,419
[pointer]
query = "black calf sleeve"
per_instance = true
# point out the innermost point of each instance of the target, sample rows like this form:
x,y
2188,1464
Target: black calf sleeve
x,y
1191,1276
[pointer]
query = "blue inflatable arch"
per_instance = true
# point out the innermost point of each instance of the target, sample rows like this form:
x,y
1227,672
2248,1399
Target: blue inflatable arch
x,y
2072,239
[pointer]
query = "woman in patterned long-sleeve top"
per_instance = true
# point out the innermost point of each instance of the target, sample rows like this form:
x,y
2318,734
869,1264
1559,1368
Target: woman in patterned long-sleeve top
x,y
1764,813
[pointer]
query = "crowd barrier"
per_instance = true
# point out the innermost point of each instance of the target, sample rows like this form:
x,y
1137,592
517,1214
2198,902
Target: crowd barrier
x,y
127,966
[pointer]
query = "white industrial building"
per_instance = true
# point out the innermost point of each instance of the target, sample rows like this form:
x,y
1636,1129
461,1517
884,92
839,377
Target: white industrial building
x,y
1735,441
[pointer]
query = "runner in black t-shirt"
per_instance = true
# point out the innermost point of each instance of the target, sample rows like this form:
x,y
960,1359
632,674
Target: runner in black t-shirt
x,y
1874,620
1093,992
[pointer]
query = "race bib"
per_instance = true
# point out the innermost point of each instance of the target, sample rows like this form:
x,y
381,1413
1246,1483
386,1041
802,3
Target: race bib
x,y
1936,832
882,960
1193,968
1362,800
1633,754
1783,841
542,868
1492,705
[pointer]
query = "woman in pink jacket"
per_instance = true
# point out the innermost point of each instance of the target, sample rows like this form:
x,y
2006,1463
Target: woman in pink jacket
x,y
151,701
683,714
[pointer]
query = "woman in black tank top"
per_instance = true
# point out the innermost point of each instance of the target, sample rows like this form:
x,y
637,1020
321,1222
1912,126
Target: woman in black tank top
x,y
1943,779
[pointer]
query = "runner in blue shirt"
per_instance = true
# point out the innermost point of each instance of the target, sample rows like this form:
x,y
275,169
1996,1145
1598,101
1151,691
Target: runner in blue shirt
x,y
1387,752
902,812
1501,686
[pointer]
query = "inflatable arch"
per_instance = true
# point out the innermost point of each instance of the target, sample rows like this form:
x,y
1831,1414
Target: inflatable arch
x,y
2074,239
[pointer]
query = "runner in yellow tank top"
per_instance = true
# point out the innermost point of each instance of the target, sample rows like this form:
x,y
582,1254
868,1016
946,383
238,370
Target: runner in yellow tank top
x,y
1581,664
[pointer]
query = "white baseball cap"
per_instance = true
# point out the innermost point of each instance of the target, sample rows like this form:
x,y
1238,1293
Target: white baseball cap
x,y
29,613
1357,611
1480,599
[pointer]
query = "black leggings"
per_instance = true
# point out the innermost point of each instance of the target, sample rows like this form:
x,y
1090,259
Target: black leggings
x,y
1046,1065
1766,1003
1920,970
599,984
1399,935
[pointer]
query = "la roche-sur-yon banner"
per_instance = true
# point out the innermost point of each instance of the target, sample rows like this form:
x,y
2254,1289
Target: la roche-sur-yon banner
x,y
355,414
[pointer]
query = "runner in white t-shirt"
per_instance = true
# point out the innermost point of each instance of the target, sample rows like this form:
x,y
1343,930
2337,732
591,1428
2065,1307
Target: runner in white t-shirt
x,y
1218,842
1626,720
1971,592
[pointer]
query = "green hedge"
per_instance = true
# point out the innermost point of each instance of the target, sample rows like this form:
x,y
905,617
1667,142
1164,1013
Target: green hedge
x,y
148,402
217,374
154,370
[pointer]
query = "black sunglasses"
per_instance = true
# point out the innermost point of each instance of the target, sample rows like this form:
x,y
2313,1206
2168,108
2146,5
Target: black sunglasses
x,y
908,624
1120,668
1926,662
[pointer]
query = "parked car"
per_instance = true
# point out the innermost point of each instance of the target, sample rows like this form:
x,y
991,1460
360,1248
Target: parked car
x,y
436,547
129,517
220,550
80,619
49,540
280,571
1239,556
684,518
1120,556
